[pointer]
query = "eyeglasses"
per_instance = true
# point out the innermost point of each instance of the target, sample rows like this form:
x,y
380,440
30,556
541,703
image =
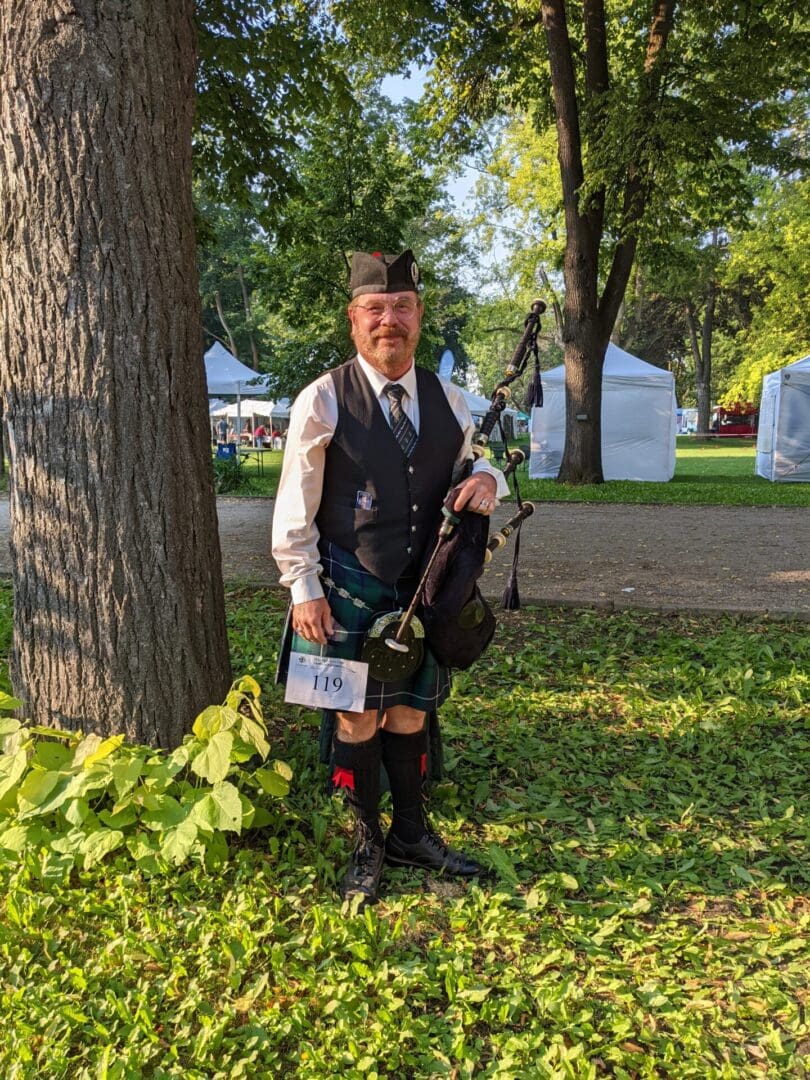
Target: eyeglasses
x,y
403,308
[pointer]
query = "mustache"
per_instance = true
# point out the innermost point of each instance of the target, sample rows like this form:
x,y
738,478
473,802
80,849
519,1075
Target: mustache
x,y
390,333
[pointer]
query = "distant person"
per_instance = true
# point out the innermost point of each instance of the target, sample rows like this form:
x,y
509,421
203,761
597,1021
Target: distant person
x,y
222,431
260,435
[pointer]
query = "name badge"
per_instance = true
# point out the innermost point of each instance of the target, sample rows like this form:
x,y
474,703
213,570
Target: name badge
x,y
326,682
365,501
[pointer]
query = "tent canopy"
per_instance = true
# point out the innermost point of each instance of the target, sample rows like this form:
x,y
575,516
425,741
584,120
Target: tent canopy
x,y
273,410
783,438
227,375
638,421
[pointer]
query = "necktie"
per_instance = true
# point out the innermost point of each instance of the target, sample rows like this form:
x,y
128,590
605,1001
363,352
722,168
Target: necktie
x,y
404,431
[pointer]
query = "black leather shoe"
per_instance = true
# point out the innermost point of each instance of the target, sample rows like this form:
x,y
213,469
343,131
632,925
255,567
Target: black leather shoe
x,y
430,853
365,869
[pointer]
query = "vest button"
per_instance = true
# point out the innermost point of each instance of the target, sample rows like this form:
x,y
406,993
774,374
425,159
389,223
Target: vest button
x,y
414,508
410,469
413,528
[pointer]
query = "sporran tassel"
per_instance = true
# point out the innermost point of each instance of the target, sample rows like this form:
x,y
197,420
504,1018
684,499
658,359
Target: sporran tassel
x,y
510,601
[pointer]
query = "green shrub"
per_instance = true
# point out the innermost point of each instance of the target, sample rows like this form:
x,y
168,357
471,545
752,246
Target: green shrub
x,y
227,474
69,799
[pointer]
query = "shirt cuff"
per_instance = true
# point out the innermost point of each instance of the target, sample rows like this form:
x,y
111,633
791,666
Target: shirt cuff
x,y
306,588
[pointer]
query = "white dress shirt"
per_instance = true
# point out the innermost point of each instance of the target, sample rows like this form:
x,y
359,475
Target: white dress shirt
x,y
313,419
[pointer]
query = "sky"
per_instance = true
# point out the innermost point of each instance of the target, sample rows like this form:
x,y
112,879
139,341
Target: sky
x,y
399,87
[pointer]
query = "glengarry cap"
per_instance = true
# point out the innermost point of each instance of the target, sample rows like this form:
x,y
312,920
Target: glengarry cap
x,y
378,273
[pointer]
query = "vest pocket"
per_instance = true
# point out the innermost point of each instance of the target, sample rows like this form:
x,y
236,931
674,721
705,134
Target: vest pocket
x,y
363,518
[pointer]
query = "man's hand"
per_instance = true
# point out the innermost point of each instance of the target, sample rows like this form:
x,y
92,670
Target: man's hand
x,y
312,620
477,493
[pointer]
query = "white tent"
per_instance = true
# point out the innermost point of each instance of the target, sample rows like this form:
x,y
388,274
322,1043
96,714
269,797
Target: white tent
x,y
227,375
249,407
638,421
479,406
783,438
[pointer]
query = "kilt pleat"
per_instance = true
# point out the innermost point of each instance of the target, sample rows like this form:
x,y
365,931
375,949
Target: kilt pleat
x,y
368,598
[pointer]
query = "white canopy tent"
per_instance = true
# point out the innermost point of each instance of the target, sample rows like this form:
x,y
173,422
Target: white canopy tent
x,y
639,420
479,406
783,438
227,375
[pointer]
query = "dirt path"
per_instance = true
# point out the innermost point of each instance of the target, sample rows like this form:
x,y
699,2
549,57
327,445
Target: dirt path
x,y
748,560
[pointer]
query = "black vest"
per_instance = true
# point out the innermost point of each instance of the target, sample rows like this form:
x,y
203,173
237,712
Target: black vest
x,y
376,503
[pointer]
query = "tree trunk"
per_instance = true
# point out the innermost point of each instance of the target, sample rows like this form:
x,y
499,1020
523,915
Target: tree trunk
x,y
584,344
254,352
119,606
701,346
225,327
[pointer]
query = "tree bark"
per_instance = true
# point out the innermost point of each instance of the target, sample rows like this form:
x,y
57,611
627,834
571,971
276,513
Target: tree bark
x,y
119,604
584,349
225,327
700,341
254,352
588,320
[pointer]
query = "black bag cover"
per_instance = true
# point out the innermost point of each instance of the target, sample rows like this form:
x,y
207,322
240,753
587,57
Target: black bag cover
x,y
458,622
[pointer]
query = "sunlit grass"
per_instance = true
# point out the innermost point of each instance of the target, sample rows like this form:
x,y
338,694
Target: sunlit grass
x,y
637,784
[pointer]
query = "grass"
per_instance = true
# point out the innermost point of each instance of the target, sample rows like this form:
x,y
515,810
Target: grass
x,y
707,472
637,785
717,472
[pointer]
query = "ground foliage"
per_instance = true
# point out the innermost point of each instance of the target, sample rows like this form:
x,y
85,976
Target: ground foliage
x,y
638,786
70,799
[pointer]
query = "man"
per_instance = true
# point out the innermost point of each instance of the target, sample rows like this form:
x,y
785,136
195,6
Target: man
x,y
373,447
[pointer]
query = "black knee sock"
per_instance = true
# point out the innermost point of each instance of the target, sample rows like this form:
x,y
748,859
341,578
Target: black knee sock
x,y
405,761
357,771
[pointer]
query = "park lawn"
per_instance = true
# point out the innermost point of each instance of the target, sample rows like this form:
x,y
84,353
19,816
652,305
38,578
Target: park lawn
x,y
637,785
717,472
707,472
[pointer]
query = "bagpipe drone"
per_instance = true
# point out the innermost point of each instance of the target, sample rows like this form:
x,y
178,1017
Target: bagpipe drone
x,y
448,610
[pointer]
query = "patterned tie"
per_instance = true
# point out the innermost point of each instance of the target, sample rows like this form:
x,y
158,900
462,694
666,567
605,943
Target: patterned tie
x,y
404,431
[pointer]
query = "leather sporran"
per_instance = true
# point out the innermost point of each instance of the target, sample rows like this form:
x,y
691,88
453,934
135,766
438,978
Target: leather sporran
x,y
458,622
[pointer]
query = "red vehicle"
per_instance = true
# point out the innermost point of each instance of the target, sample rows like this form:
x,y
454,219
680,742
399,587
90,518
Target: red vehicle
x,y
740,418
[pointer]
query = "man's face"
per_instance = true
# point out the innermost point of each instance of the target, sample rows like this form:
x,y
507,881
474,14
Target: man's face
x,y
385,329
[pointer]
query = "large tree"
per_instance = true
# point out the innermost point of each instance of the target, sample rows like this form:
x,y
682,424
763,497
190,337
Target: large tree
x,y
638,92
119,613
119,608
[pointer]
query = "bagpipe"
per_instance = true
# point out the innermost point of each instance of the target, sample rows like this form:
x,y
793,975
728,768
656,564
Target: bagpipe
x,y
453,617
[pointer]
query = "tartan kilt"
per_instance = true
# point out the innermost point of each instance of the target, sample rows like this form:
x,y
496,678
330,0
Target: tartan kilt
x,y
426,689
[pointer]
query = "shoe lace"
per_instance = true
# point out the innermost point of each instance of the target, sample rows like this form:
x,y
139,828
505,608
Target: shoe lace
x,y
437,843
366,851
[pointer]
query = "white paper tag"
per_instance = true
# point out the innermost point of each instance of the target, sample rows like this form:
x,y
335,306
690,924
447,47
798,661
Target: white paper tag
x,y
326,682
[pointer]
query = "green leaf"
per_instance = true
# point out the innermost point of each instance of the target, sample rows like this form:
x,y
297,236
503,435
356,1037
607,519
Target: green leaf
x,y
177,843
12,769
51,755
247,685
99,844
106,748
501,862
213,762
21,837
8,704
8,725
119,819
220,808
253,733
87,746
208,722
272,783
162,812
75,811
36,788
125,774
